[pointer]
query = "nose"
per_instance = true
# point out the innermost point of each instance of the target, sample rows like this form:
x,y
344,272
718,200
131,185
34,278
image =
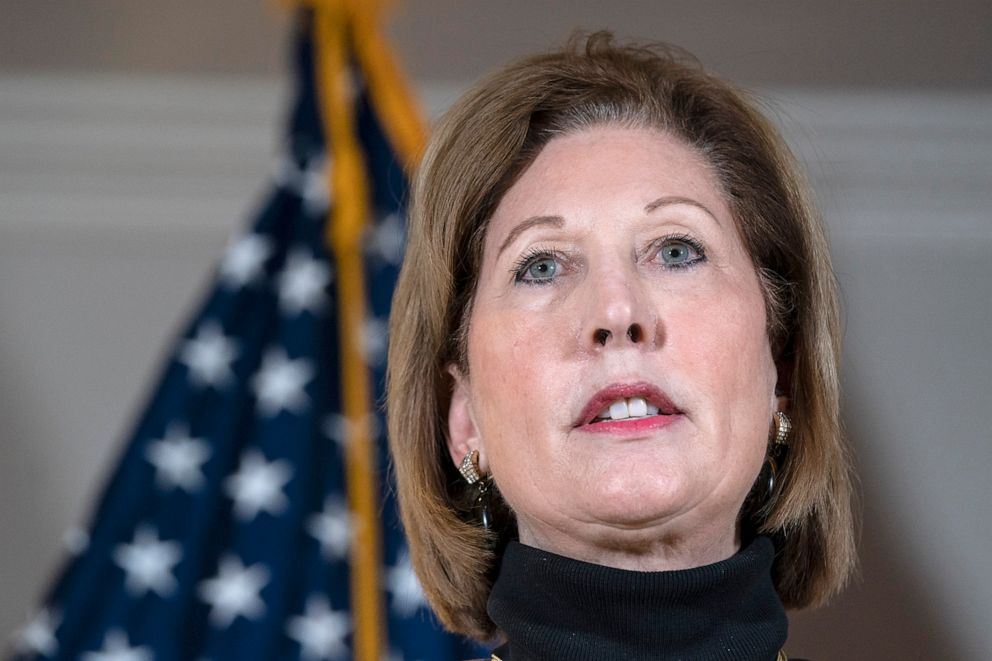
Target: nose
x,y
619,315
634,333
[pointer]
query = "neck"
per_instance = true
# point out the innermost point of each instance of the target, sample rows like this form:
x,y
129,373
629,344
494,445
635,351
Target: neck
x,y
553,607
639,549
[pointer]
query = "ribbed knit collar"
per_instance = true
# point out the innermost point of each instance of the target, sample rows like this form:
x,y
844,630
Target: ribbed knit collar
x,y
551,607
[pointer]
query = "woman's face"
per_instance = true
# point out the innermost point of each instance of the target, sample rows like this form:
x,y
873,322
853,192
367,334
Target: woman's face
x,y
621,384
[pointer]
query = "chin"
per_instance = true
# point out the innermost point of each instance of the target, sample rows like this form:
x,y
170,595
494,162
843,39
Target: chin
x,y
638,505
640,483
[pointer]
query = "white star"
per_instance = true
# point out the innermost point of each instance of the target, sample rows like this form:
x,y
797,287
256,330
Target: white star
x,y
209,356
385,240
341,430
76,540
116,647
286,174
178,459
258,485
375,340
332,528
244,260
38,635
314,186
402,582
302,283
310,183
279,383
337,428
320,631
148,563
235,591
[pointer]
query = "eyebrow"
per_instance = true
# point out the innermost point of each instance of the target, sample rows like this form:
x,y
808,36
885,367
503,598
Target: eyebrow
x,y
665,201
533,221
558,221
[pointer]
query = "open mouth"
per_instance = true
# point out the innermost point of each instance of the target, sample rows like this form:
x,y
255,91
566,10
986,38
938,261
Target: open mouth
x,y
627,403
627,408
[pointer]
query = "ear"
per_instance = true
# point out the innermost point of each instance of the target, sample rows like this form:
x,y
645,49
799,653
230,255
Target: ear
x,y
782,403
783,385
463,433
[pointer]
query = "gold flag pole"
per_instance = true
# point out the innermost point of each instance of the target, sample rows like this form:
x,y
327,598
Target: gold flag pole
x,y
340,25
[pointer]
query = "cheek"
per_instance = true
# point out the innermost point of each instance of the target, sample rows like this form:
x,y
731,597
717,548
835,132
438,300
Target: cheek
x,y
724,331
718,340
506,355
736,357
514,372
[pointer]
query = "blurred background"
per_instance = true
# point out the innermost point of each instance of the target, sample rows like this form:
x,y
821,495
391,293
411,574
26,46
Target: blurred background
x,y
137,136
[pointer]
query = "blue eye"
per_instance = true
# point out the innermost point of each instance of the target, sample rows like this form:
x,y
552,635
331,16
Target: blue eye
x,y
536,268
541,269
680,252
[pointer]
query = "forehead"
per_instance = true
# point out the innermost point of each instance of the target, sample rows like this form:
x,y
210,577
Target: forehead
x,y
606,170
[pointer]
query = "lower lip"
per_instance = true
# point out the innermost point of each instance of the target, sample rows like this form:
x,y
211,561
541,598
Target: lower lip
x,y
631,425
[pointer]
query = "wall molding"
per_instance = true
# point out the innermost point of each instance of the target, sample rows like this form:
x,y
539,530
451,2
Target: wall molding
x,y
153,157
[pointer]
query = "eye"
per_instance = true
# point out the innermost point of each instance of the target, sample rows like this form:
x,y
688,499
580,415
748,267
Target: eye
x,y
680,252
541,269
536,268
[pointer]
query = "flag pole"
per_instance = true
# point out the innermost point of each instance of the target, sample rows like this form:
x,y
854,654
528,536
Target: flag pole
x,y
348,213
340,25
397,110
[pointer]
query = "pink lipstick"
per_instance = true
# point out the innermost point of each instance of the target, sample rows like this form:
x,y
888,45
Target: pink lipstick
x,y
607,411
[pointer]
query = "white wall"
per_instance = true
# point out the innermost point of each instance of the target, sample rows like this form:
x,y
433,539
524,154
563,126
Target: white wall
x,y
117,193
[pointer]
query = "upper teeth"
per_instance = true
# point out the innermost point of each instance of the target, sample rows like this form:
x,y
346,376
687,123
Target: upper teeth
x,y
632,407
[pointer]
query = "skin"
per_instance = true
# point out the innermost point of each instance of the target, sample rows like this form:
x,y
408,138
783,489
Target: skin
x,y
653,499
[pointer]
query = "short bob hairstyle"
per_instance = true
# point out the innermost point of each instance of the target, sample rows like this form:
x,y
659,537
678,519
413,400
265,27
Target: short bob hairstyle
x,y
479,149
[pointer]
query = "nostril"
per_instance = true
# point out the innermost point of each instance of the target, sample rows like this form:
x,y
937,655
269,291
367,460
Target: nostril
x,y
635,333
601,336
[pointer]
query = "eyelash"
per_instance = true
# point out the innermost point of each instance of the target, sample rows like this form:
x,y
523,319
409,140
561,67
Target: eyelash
x,y
681,238
519,269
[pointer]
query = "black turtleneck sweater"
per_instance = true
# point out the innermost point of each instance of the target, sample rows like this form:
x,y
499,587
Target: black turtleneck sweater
x,y
551,607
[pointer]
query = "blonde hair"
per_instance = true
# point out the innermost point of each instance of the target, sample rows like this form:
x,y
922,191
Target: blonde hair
x,y
476,153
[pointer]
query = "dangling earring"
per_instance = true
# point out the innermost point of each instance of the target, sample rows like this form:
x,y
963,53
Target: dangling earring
x,y
470,471
771,468
783,427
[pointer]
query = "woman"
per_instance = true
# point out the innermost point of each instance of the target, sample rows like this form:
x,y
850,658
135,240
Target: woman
x,y
613,399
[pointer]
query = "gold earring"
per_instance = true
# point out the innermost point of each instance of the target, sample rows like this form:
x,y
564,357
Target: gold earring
x,y
469,469
783,427
780,440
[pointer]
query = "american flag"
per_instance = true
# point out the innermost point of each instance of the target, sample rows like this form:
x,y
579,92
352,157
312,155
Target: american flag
x,y
228,530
